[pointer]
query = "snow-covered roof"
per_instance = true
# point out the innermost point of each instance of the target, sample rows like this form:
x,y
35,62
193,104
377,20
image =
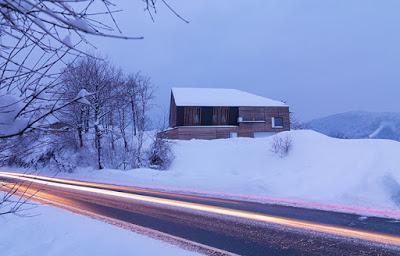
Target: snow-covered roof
x,y
221,97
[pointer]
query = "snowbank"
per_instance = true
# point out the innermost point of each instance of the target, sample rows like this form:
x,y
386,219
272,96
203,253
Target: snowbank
x,y
321,172
364,173
58,232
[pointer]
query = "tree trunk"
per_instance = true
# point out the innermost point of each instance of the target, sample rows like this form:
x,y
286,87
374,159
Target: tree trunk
x,y
122,129
80,129
87,120
133,116
98,138
111,128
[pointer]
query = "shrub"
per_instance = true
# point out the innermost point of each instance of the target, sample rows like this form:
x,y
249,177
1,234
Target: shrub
x,y
282,145
160,155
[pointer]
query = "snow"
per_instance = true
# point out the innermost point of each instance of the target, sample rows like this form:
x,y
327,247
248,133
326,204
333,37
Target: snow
x,y
385,127
81,96
359,176
359,124
51,231
9,109
67,41
221,97
23,6
81,24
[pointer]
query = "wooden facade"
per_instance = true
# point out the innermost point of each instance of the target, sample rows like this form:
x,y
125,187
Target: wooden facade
x,y
215,122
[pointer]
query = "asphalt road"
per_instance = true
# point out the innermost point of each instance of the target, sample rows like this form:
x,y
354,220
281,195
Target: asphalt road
x,y
238,227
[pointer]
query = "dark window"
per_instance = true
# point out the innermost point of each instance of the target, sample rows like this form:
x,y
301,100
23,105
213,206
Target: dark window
x,y
192,116
180,116
253,116
220,115
207,116
259,117
277,122
225,115
233,116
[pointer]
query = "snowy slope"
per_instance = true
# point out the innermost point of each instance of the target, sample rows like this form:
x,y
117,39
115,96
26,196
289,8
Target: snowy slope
x,y
53,231
359,125
319,169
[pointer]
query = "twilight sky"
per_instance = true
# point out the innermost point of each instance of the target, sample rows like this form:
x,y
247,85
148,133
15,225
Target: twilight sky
x,y
321,57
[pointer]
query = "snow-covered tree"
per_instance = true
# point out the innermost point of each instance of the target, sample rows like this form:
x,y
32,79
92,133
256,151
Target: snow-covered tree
x,y
113,103
37,38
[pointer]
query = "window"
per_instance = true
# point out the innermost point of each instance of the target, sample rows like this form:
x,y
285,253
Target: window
x,y
250,116
225,115
220,115
277,122
206,116
192,116
259,117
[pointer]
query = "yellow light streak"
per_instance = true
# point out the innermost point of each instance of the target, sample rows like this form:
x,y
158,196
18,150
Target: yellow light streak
x,y
110,186
299,224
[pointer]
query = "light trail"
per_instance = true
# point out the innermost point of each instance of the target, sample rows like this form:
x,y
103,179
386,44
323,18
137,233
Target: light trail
x,y
299,224
110,186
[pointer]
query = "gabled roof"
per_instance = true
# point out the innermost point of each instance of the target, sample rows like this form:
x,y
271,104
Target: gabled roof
x,y
218,97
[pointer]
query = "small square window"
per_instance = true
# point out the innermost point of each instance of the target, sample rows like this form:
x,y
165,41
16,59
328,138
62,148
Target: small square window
x,y
277,122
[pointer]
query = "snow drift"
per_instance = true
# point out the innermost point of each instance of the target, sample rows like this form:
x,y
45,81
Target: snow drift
x,y
319,169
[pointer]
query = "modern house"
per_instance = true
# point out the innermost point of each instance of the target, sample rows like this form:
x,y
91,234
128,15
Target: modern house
x,y
211,113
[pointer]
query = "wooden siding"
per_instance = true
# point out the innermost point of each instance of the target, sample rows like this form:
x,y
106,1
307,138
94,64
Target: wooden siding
x,y
258,114
256,119
198,132
192,116
203,116
169,134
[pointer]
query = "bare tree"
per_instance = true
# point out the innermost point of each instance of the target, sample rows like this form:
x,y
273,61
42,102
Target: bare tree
x,y
114,103
131,92
37,38
99,80
14,196
143,98
295,123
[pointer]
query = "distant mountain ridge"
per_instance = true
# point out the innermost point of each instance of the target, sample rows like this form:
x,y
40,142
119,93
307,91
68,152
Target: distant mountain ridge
x,y
358,125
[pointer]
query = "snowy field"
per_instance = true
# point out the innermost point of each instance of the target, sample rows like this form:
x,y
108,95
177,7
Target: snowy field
x,y
359,176
53,231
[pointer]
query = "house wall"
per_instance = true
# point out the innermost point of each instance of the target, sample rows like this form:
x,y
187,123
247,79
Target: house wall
x,y
244,129
198,132
247,129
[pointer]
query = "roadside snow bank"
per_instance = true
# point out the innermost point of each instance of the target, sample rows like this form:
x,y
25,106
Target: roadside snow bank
x,y
53,231
319,172
363,173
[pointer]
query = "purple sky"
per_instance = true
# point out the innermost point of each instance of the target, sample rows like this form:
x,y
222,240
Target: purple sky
x,y
322,57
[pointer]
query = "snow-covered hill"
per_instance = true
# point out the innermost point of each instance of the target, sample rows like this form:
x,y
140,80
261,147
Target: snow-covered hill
x,y
359,125
319,171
